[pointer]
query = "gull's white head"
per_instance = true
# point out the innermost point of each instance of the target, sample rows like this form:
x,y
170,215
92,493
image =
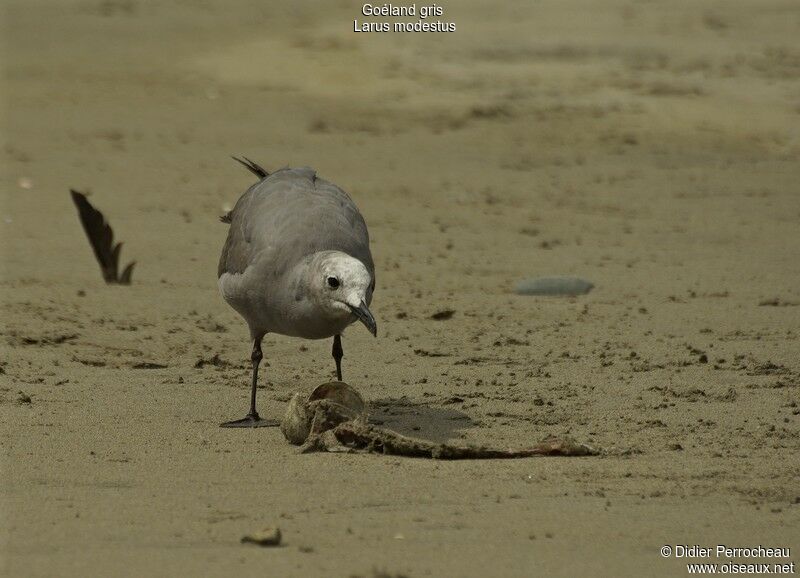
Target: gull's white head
x,y
342,286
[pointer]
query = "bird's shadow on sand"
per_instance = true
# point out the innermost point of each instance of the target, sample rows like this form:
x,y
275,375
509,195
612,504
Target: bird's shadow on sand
x,y
418,420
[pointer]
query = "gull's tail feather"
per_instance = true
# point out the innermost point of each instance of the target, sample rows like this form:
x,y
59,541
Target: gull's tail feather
x,y
101,238
252,166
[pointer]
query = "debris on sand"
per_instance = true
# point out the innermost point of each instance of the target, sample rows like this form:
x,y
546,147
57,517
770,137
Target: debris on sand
x,y
216,361
45,339
553,286
776,302
333,419
148,365
343,403
101,238
443,315
426,353
23,398
265,537
358,435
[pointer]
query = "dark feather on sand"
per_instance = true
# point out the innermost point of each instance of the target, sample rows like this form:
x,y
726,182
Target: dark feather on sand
x,y
101,238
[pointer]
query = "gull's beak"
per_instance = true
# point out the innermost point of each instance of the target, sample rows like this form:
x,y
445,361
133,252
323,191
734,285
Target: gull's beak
x,y
364,315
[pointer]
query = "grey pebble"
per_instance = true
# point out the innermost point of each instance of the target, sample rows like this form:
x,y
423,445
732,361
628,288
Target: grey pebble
x,y
553,286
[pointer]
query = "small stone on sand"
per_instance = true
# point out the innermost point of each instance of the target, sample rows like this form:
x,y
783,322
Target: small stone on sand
x,y
553,286
265,537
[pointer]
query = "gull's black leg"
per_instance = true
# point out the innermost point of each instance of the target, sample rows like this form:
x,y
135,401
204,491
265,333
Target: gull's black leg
x,y
252,419
338,353
256,356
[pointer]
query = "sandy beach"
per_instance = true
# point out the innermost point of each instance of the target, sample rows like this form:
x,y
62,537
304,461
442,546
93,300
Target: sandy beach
x,y
649,147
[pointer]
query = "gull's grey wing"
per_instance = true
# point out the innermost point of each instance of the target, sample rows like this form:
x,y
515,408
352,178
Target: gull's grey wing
x,y
289,215
237,251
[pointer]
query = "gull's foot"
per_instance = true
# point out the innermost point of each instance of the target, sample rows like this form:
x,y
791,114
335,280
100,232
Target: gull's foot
x,y
252,420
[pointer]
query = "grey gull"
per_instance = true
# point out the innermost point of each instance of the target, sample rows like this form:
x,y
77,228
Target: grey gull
x,y
296,262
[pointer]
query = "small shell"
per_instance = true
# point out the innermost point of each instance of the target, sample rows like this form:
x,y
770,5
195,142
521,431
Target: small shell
x,y
265,537
334,401
341,393
296,423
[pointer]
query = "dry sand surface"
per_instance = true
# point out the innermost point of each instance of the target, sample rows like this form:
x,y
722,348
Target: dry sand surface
x,y
650,147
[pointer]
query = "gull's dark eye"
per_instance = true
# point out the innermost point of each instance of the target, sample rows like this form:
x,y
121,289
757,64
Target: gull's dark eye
x,y
333,282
